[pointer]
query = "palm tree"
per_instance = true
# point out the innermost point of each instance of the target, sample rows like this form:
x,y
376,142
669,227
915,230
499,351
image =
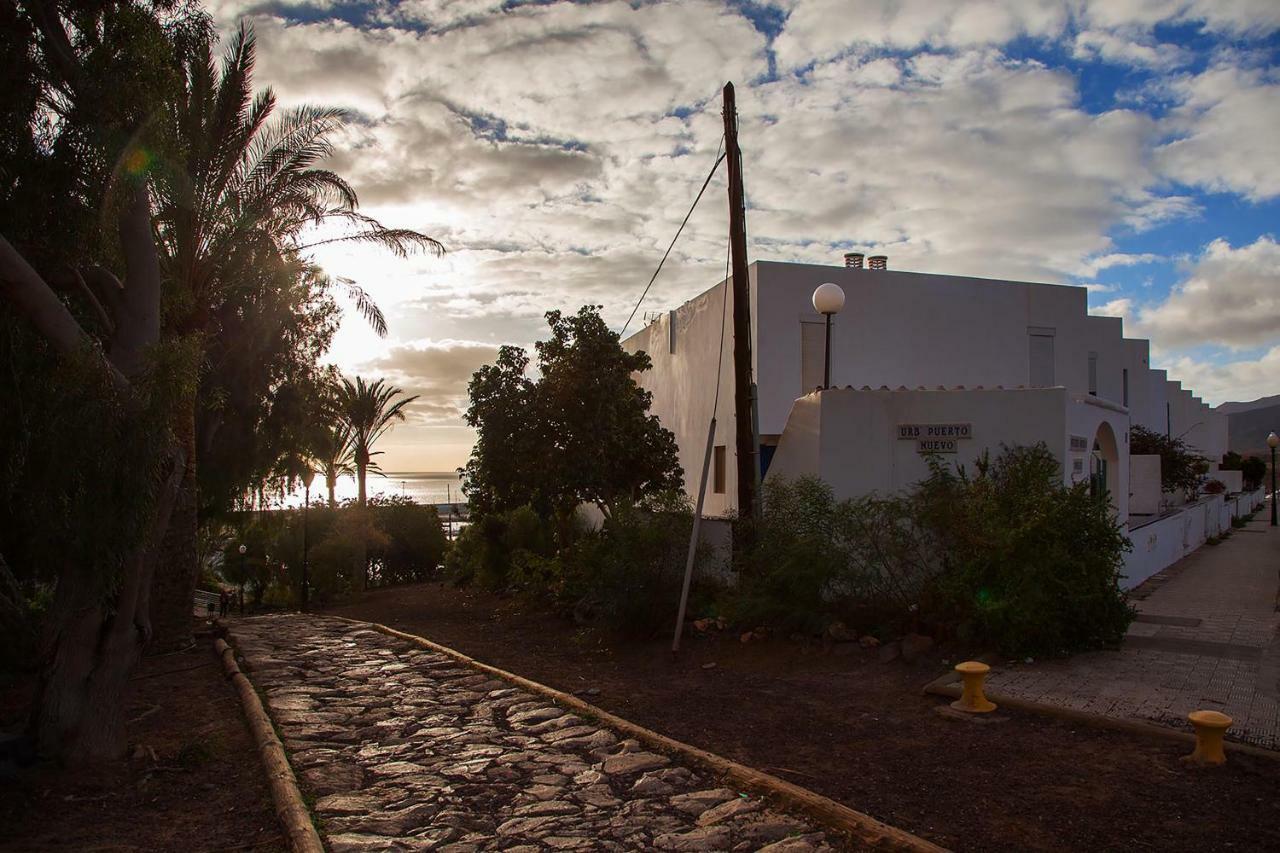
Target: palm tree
x,y
334,456
246,185
368,410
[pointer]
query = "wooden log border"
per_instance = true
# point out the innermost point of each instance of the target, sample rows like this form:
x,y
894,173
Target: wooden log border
x,y
860,827
290,808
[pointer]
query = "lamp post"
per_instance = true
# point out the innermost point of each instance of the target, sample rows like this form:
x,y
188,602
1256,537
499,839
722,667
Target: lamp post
x,y
1272,441
828,299
244,549
308,476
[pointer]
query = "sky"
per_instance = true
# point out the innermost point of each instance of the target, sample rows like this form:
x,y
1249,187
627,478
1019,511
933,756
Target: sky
x,y
1130,146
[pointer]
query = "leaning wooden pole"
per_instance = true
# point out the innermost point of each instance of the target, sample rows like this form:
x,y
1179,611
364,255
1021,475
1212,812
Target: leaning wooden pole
x,y
748,467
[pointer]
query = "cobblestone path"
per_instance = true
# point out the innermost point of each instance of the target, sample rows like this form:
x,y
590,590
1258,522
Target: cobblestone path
x,y
1207,637
403,748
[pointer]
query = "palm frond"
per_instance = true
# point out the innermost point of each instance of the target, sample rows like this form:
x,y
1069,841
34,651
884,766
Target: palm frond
x,y
366,306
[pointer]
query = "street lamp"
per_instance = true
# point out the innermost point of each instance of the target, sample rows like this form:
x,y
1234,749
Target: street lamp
x,y
828,299
1272,441
308,476
243,549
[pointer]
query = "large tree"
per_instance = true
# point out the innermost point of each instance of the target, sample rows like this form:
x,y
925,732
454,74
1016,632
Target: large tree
x,y
92,463
580,433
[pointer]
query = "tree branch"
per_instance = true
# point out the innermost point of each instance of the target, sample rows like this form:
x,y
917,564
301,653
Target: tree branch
x,y
138,317
58,49
103,316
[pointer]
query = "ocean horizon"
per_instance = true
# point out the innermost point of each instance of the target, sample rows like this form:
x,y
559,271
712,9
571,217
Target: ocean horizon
x,y
424,487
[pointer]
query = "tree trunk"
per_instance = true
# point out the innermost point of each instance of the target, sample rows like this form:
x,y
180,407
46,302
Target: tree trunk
x,y
363,556
91,646
331,483
174,583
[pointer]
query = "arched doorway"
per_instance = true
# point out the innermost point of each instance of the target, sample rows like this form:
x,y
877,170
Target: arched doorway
x,y
1104,465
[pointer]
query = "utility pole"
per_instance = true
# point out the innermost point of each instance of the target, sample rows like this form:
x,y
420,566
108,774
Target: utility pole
x,y
743,387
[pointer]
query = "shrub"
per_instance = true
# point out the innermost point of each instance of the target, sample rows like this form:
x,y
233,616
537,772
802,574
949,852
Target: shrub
x,y
1029,564
1180,468
1008,556
415,544
816,560
626,577
1214,487
486,549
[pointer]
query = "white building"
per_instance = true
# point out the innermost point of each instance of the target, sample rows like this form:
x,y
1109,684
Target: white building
x,y
1014,362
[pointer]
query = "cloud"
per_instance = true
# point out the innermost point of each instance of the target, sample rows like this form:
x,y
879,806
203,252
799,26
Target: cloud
x,y
436,371
1221,382
1231,298
1226,127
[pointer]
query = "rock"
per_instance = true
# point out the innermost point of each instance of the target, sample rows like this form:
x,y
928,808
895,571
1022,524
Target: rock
x,y
729,810
697,802
650,785
347,804
799,844
889,652
633,762
915,645
711,665
837,632
333,778
703,838
868,642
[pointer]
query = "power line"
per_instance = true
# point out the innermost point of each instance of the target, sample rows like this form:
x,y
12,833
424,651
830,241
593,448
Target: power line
x,y
719,157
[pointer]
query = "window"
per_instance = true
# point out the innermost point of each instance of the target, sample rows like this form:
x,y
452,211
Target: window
x,y
717,473
1093,374
1041,350
1124,380
813,341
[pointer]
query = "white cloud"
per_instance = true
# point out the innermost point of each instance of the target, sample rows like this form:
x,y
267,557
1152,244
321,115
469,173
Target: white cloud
x,y
1226,127
1231,298
1220,382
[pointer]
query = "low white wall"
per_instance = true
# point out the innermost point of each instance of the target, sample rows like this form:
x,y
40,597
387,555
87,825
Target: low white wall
x,y
1161,543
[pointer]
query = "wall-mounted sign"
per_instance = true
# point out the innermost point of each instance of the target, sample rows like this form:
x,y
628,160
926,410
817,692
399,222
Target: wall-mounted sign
x,y
917,432
937,445
1079,444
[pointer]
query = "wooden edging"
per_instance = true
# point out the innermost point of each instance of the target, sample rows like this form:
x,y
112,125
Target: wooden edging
x,y
861,827
945,686
290,808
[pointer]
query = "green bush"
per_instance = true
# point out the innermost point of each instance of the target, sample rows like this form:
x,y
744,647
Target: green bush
x,y
487,549
1007,556
415,543
1029,565
626,577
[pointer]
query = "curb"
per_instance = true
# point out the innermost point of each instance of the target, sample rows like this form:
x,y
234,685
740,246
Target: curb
x,y
290,808
861,827
944,686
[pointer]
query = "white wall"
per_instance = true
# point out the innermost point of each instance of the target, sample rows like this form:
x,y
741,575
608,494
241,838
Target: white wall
x,y
849,437
1144,484
898,329
1162,543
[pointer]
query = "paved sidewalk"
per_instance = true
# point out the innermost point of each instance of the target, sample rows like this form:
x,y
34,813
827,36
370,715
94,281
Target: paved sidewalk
x,y
1207,637
407,749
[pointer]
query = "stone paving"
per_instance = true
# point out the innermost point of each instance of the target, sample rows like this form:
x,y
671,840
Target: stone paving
x,y
1207,637
403,748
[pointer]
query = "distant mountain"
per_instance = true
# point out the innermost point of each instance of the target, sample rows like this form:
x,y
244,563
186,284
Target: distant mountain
x,y
1260,403
1247,430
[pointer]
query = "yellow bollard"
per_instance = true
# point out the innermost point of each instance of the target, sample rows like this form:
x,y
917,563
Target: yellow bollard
x,y
971,698
1210,728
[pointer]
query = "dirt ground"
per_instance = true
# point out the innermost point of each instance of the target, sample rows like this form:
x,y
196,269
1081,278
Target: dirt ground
x,y
204,789
862,732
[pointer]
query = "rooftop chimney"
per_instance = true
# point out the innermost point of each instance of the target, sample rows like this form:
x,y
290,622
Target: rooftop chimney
x,y
853,260
878,262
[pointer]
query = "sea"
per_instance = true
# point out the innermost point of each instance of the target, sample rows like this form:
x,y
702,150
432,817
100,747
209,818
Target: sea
x,y
424,487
